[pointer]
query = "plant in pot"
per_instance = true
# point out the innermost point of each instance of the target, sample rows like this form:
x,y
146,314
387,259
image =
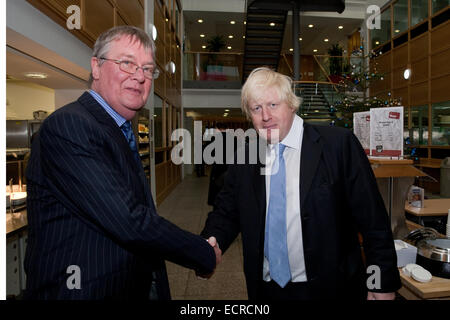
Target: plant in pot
x,y
335,62
214,44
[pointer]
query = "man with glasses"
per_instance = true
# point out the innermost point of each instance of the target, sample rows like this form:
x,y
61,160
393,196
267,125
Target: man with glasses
x,y
94,232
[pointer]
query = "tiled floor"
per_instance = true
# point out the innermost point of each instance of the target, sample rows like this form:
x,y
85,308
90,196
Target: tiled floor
x,y
187,207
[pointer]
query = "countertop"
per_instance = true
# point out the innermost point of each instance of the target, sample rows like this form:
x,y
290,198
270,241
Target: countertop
x,y
16,221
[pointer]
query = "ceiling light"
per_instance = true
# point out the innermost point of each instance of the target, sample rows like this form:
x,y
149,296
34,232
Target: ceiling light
x,y
230,36
36,75
229,47
341,27
397,31
202,36
225,115
203,47
310,25
232,22
326,40
291,49
300,39
377,42
200,20
243,37
272,24
227,110
245,22
315,50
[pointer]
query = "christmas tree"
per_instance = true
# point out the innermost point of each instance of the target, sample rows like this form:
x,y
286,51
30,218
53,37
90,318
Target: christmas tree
x,y
354,88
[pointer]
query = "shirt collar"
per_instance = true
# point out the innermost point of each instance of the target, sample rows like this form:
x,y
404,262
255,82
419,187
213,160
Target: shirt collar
x,y
117,117
292,138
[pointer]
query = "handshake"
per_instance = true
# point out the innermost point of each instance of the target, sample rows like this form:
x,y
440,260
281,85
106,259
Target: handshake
x,y
213,242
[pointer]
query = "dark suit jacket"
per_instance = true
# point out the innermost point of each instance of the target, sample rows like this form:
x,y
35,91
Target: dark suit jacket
x,y
338,198
89,205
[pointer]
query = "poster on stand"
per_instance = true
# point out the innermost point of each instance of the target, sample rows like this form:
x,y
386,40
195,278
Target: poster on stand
x,y
361,129
386,132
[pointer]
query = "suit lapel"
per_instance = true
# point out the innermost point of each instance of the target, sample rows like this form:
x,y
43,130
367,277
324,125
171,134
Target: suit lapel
x,y
310,156
93,107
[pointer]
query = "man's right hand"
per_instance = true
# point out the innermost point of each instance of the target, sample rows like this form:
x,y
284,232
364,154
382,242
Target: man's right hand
x,y
213,242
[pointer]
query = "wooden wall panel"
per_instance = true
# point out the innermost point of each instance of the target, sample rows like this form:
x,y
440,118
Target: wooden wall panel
x,y
419,47
440,36
132,11
118,21
440,89
400,55
160,176
440,63
401,94
399,80
419,93
383,62
419,71
98,17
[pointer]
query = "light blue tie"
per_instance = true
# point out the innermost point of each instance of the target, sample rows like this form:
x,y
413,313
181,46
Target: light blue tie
x,y
275,245
129,135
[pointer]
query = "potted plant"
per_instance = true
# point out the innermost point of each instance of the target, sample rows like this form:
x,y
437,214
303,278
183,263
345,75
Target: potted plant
x,y
214,44
335,62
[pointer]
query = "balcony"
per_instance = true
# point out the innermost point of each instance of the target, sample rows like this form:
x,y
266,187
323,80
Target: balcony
x,y
212,70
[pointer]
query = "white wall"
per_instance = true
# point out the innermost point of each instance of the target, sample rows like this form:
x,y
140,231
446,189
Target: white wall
x,y
209,98
22,98
65,96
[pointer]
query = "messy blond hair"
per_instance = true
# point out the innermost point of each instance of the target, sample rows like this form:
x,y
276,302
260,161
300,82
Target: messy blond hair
x,y
264,77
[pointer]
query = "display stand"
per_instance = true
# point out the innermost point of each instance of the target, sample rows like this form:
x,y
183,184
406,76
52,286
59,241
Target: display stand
x,y
394,177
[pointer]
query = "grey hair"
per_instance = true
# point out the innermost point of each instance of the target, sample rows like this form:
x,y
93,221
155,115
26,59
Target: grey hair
x,y
103,43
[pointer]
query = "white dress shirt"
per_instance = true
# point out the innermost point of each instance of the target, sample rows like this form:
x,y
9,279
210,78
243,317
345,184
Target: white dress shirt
x,y
293,143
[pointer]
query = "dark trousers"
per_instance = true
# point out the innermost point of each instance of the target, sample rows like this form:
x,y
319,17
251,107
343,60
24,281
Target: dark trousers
x,y
292,291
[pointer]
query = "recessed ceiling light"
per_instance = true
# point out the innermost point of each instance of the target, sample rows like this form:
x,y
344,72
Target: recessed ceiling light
x,y
310,25
341,27
245,22
202,36
300,39
203,47
200,20
232,22
377,42
397,31
230,36
36,75
227,110
243,37
272,24
229,47
315,50
291,49
326,40
225,115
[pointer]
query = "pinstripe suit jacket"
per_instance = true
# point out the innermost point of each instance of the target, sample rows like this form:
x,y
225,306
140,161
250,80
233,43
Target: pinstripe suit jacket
x,y
89,205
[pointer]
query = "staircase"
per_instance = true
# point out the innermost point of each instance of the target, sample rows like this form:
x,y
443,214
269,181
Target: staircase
x,y
315,107
263,41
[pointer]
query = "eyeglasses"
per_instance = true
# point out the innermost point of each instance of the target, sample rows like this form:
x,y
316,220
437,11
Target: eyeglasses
x,y
150,72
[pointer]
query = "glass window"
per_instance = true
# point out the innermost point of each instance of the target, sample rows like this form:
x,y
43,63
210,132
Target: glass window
x,y
158,121
382,35
438,5
400,17
418,134
419,11
440,114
